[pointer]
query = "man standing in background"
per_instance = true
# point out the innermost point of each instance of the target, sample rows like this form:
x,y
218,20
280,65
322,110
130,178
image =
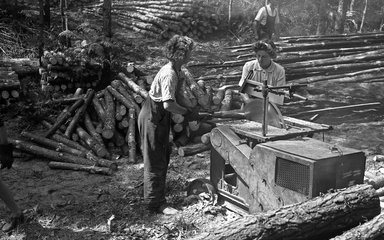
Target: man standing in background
x,y
267,21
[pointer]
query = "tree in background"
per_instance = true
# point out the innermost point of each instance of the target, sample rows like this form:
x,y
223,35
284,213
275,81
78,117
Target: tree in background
x,y
341,14
322,8
107,19
47,14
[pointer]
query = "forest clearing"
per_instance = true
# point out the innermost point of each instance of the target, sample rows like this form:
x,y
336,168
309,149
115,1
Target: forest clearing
x,y
74,76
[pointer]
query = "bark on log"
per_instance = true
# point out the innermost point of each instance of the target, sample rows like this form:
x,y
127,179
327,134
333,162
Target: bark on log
x,y
79,113
329,215
91,129
65,116
100,111
63,139
79,167
59,146
109,123
136,88
129,102
92,143
192,149
371,230
50,154
131,135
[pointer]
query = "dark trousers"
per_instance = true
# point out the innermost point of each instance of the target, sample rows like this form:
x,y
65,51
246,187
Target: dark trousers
x,y
154,126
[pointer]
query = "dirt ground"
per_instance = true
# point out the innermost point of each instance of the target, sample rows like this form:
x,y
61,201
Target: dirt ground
x,y
63,204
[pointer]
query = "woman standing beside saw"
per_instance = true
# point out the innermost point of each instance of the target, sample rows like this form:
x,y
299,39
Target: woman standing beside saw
x,y
263,67
154,122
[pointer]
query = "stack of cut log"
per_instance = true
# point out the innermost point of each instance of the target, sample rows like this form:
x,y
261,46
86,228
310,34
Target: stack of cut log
x,y
76,67
9,84
164,18
91,131
95,127
308,59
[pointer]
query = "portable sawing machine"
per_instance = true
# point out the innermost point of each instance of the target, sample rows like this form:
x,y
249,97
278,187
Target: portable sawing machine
x,y
256,167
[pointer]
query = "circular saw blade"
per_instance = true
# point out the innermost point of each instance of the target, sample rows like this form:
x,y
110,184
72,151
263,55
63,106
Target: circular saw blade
x,y
253,111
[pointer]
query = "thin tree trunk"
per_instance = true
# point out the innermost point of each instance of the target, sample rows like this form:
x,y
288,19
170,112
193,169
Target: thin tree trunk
x,y
230,12
47,14
363,18
41,34
322,11
351,5
107,8
62,4
341,14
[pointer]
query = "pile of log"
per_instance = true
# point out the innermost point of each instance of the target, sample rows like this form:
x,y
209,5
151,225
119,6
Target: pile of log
x,y
97,126
163,18
308,59
80,66
9,84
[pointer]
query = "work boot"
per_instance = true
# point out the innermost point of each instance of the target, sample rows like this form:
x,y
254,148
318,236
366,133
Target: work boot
x,y
15,221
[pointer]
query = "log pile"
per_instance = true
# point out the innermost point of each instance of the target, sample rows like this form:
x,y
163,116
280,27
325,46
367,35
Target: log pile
x,y
80,66
97,126
9,84
309,59
163,18
91,132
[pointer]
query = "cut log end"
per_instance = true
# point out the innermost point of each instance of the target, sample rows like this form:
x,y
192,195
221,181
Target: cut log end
x,y
107,133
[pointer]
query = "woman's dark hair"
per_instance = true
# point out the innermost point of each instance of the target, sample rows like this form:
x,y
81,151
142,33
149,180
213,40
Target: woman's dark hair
x,y
178,47
267,46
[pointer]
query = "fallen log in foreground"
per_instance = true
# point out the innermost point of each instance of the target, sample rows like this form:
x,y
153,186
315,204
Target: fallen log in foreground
x,y
79,167
371,230
322,217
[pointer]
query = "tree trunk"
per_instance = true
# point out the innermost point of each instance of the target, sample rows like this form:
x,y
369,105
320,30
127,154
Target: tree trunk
x,y
107,27
364,14
341,14
62,15
47,14
322,17
322,217
41,33
371,230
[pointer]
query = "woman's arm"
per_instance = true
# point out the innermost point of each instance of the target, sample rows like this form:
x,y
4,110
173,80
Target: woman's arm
x,y
173,107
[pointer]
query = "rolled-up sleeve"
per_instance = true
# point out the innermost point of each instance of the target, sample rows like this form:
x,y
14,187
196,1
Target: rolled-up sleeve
x,y
168,88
